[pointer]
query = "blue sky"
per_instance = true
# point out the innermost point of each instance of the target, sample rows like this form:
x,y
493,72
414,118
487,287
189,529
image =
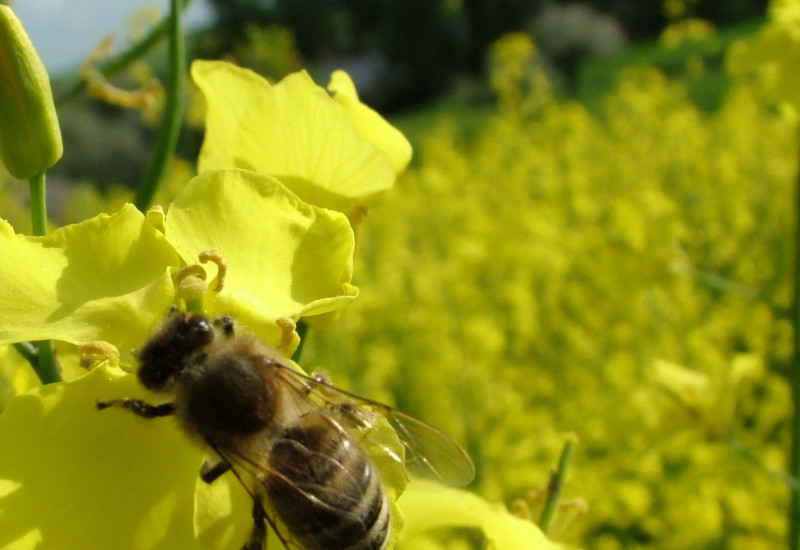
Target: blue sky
x,y
65,31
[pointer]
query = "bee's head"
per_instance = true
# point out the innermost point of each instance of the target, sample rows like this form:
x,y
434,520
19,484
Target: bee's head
x,y
171,348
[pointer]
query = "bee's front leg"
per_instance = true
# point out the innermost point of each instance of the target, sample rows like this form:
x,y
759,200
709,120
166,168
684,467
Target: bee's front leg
x,y
139,407
210,471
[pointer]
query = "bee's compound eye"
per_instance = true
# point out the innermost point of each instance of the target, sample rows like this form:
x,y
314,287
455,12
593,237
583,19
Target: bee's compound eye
x,y
197,329
166,354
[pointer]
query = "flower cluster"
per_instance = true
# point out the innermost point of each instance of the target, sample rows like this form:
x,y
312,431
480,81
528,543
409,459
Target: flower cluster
x,y
621,276
773,55
265,233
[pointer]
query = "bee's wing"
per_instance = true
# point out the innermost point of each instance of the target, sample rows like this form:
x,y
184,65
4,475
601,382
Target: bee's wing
x,y
249,471
429,452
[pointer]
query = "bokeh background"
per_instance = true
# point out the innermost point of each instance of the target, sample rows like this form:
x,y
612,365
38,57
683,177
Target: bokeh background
x,y
595,236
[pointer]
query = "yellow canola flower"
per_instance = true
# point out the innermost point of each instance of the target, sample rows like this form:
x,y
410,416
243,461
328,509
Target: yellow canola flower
x,y
430,508
286,258
71,477
786,12
107,278
369,123
75,478
333,152
110,278
774,54
30,138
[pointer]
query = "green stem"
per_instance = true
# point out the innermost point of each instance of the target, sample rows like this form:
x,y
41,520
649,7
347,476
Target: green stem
x,y
48,370
302,331
556,483
119,62
42,360
195,306
168,134
36,187
45,358
28,352
794,460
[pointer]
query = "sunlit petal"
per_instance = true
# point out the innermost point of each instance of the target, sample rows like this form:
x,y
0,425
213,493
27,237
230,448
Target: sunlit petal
x,y
370,124
285,258
107,278
128,492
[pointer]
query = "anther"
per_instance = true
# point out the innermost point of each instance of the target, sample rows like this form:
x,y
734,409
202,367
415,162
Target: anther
x,y
93,351
212,255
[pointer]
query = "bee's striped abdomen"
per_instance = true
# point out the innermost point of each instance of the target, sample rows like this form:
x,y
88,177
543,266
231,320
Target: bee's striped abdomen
x,y
326,491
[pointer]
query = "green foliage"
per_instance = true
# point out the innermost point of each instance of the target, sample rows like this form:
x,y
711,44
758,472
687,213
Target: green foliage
x,y
546,277
707,86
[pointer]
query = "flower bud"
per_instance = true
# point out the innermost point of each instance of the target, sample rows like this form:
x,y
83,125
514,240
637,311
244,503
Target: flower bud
x,y
30,139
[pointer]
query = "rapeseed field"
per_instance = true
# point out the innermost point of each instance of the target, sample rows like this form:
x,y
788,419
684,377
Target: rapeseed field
x,y
623,276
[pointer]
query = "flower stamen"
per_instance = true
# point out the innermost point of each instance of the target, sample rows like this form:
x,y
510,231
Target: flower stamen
x,y
98,86
98,351
289,337
192,286
213,255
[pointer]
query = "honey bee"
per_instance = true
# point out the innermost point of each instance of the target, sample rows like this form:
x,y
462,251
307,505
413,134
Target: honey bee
x,y
294,441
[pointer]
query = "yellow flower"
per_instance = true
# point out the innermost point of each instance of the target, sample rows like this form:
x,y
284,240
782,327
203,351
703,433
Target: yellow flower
x,y
110,278
73,478
286,259
107,278
333,152
429,508
774,54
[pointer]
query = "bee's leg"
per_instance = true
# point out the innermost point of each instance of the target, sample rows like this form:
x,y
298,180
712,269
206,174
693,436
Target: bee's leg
x,y
139,407
210,471
258,536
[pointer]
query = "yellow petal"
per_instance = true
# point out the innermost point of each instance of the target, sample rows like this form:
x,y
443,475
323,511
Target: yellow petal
x,y
229,90
16,375
297,130
370,124
427,507
107,278
285,258
75,477
294,131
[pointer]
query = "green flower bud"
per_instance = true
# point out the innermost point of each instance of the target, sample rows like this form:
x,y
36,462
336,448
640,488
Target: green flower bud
x,y
30,139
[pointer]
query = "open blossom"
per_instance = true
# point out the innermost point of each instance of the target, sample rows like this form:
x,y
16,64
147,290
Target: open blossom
x,y
111,278
286,259
333,151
